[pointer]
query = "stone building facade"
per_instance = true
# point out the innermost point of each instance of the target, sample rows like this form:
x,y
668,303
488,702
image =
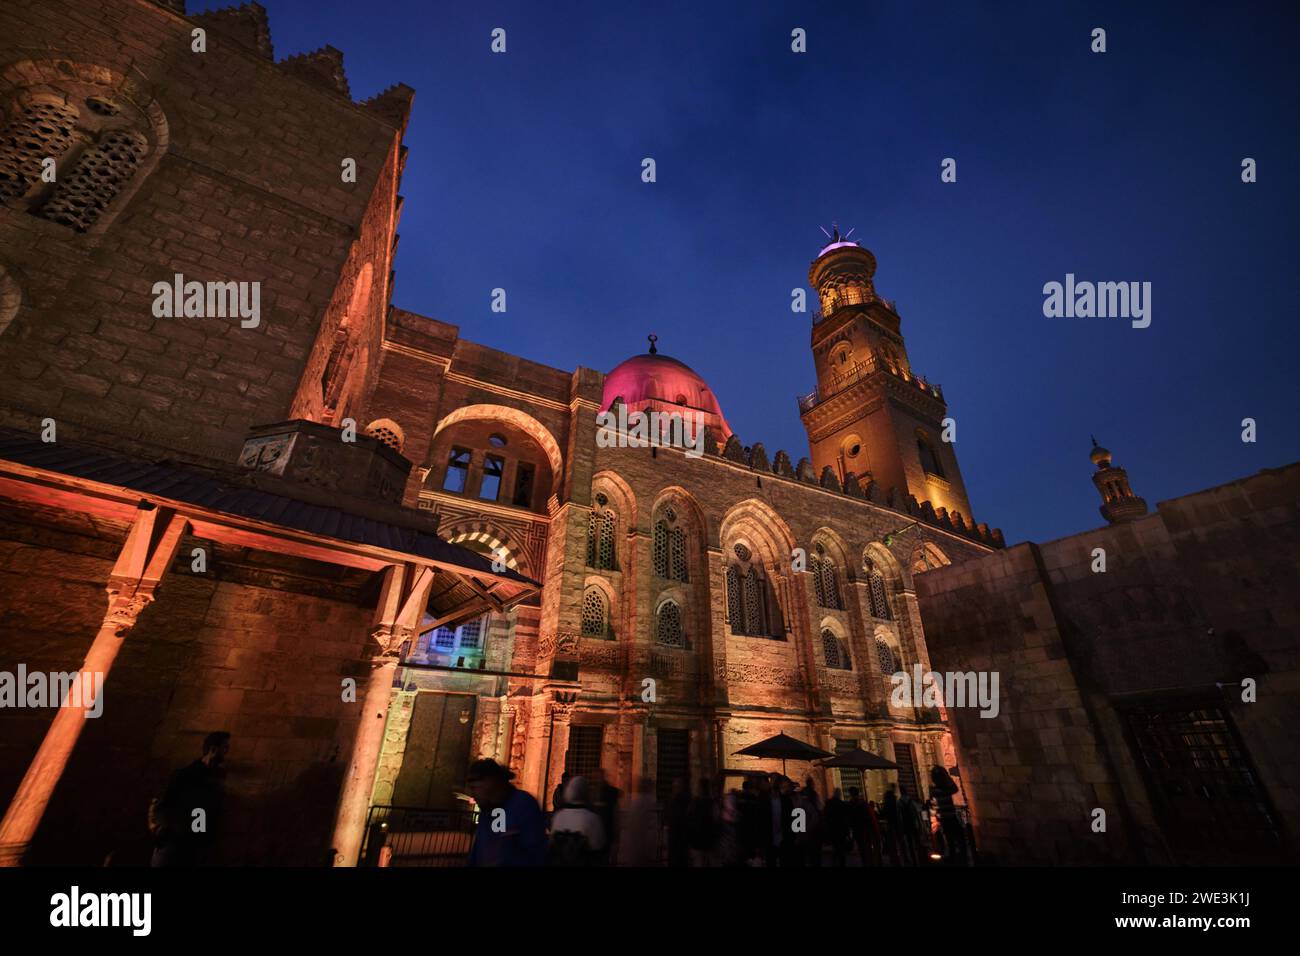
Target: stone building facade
x,y
682,605
1150,681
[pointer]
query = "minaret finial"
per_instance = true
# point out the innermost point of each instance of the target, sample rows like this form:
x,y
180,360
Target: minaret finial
x,y
1094,440
653,339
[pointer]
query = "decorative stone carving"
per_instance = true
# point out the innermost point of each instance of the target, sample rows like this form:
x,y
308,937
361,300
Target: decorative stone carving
x,y
124,607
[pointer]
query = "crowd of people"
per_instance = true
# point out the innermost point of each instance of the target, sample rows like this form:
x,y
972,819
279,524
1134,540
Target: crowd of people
x,y
769,820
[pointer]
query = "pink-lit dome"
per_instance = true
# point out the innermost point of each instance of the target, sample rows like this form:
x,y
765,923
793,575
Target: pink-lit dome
x,y
654,382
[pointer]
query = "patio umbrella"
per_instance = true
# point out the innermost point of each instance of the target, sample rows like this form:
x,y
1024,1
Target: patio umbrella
x,y
783,748
860,759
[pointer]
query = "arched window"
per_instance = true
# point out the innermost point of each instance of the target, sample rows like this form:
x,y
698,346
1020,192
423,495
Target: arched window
x,y
885,655
929,458
601,552
668,626
748,594
669,548
877,595
837,655
927,556
595,619
389,432
825,581
92,141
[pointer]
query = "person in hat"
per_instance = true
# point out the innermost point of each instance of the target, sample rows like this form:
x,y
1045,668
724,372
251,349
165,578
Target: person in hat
x,y
511,830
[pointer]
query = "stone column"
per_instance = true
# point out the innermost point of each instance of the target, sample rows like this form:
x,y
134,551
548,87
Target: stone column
x,y
145,557
559,717
401,607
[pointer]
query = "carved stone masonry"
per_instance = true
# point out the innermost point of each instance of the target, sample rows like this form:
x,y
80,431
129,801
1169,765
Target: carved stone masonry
x,y
125,604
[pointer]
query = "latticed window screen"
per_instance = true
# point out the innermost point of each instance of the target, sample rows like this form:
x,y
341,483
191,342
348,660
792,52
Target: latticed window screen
x,y
99,175
879,601
819,583
735,604
885,655
583,755
836,654
677,554
593,613
470,633
746,601
444,637
669,549
600,541
753,596
833,586
828,587
669,630
39,130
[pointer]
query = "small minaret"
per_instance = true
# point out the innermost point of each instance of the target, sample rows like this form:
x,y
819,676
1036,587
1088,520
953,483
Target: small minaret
x,y
1119,502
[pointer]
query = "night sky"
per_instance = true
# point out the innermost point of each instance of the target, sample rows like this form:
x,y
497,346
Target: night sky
x,y
525,174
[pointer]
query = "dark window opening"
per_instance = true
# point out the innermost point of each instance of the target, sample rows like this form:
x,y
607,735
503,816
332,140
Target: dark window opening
x,y
849,776
524,474
457,471
493,468
673,761
1209,800
583,755
905,757
929,460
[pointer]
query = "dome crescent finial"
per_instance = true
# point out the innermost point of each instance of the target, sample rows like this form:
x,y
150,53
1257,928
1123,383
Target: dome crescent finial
x,y
653,339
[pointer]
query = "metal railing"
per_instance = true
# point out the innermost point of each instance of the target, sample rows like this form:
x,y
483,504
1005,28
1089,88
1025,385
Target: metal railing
x,y
414,836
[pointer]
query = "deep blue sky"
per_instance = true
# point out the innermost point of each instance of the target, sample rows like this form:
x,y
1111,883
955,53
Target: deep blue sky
x,y
525,174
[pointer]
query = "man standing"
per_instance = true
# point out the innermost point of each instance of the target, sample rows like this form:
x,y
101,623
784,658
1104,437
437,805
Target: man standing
x,y
184,821
510,831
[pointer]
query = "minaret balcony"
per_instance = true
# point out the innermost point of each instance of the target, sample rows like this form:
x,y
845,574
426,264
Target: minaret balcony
x,y
857,373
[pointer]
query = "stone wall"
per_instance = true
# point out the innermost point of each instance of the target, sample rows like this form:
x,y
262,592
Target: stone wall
x,y
241,182
259,653
1194,599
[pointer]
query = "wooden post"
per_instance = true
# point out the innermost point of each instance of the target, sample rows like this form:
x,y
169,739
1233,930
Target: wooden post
x,y
145,558
397,618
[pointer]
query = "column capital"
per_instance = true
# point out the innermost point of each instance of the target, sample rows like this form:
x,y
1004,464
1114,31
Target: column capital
x,y
387,640
126,602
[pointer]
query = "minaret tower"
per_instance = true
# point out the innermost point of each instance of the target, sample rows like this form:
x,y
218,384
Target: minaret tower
x,y
1119,504
870,414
